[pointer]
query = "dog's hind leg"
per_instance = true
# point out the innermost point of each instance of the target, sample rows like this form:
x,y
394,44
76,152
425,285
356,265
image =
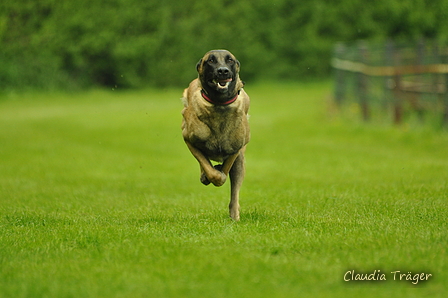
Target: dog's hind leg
x,y
236,180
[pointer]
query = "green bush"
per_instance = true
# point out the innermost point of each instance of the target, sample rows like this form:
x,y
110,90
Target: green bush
x,y
132,43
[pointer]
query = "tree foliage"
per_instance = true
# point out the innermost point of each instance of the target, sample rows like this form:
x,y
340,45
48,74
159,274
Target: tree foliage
x,y
133,43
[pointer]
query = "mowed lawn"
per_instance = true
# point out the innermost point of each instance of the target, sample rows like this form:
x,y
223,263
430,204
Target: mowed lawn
x,y
99,197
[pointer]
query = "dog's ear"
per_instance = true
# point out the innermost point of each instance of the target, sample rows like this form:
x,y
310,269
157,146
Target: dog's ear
x,y
199,64
237,65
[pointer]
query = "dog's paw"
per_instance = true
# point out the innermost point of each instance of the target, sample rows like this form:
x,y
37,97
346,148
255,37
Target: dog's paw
x,y
220,179
204,179
235,213
217,177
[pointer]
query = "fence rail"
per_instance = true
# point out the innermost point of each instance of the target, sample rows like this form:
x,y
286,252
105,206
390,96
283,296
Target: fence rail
x,y
401,78
388,70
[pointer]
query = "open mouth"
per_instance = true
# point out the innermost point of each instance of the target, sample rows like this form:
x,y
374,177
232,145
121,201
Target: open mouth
x,y
222,84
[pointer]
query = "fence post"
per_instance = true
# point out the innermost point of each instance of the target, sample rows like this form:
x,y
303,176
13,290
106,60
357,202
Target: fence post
x,y
397,93
339,94
436,79
362,82
445,95
417,97
389,82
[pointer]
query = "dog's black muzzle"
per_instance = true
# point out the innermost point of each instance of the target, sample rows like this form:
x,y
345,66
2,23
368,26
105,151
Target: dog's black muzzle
x,y
222,78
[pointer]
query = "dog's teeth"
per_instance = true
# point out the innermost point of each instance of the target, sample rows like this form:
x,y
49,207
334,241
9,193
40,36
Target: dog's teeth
x,y
221,84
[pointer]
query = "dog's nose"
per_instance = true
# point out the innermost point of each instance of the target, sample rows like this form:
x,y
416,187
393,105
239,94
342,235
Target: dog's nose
x,y
223,71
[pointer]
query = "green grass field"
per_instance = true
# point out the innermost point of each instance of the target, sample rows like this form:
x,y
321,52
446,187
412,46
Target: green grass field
x,y
99,197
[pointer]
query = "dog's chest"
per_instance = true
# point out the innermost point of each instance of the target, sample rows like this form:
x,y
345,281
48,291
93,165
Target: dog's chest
x,y
221,133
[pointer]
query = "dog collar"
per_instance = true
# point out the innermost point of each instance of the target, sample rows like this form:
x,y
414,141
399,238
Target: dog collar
x,y
219,103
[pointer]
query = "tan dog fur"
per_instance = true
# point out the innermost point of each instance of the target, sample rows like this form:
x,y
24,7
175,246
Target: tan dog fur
x,y
218,130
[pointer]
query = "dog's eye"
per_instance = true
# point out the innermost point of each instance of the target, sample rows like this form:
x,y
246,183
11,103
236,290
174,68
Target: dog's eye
x,y
230,60
211,60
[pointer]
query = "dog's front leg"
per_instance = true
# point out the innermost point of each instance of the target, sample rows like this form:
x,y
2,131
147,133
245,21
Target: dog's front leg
x,y
237,173
228,163
225,168
213,175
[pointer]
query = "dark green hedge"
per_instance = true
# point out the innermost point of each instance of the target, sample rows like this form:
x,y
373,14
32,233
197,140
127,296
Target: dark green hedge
x,y
135,43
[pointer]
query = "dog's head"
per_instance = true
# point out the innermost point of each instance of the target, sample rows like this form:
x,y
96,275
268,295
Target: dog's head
x,y
219,73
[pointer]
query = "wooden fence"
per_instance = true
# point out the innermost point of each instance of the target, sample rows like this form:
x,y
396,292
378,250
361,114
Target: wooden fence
x,y
395,79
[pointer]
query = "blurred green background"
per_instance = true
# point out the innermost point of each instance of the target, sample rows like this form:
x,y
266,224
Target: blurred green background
x,y
62,44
